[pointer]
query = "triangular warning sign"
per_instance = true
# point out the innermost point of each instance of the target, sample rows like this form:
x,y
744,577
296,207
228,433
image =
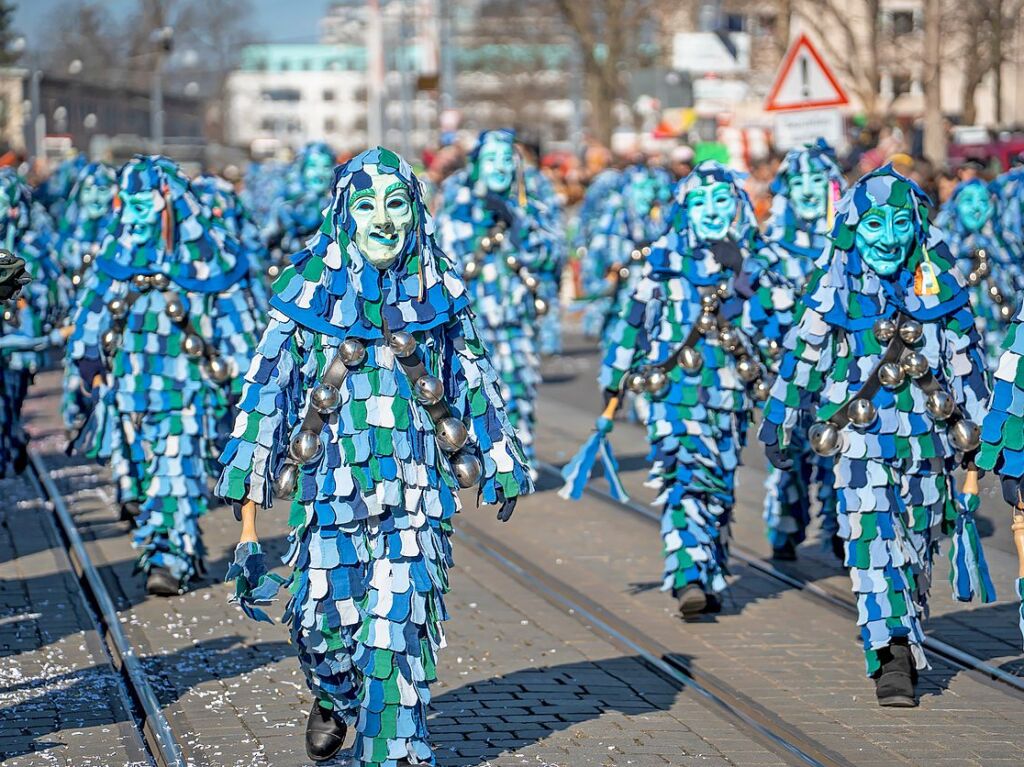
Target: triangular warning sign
x,y
804,81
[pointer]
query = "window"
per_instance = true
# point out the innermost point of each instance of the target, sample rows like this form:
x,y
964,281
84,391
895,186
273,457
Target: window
x,y
330,125
267,124
734,22
328,95
902,22
764,24
281,94
901,84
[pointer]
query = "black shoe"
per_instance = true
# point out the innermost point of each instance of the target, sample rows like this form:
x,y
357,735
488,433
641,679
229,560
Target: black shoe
x,y
838,549
129,511
894,682
160,583
325,734
786,552
692,601
713,606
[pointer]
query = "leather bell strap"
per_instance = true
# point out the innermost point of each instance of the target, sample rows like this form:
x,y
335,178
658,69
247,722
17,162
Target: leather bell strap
x,y
872,384
414,369
334,375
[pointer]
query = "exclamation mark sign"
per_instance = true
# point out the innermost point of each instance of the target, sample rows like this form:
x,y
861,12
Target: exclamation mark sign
x,y
805,77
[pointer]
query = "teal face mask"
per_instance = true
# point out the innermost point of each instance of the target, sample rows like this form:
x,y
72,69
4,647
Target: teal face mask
x,y
712,210
383,216
883,238
641,195
95,200
318,173
808,195
974,207
497,162
140,213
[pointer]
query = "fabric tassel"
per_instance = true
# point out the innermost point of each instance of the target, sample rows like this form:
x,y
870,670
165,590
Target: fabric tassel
x,y
1020,596
167,220
577,471
968,573
254,584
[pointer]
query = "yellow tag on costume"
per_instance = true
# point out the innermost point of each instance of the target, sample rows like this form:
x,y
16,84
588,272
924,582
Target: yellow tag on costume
x,y
926,280
656,213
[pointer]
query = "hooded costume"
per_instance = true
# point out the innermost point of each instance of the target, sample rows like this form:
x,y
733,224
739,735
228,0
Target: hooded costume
x,y
363,353
800,241
889,371
28,323
225,207
165,327
995,274
696,338
502,241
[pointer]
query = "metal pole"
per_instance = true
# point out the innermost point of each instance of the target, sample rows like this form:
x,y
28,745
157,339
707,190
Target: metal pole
x,y
375,75
403,51
576,120
156,106
447,46
38,123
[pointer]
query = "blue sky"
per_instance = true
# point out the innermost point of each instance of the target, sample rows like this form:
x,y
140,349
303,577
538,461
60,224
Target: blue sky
x,y
274,20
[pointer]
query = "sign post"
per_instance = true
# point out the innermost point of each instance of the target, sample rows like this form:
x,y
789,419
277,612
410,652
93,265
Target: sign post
x,y
806,97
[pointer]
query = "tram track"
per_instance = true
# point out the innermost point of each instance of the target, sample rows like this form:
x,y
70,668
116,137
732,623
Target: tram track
x,y
152,726
823,595
766,727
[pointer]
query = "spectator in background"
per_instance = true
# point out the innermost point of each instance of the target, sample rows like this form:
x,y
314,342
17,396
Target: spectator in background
x,y
681,161
945,182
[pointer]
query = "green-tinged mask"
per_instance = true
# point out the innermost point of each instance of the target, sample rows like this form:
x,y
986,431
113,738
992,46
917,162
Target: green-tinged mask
x,y
95,199
383,217
974,207
497,164
318,173
883,237
808,194
140,215
711,209
641,195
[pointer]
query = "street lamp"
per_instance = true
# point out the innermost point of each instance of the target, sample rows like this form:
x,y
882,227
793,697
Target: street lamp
x,y
163,42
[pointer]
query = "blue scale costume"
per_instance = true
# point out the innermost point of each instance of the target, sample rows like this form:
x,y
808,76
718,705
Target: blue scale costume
x,y
800,242
697,421
218,195
628,221
372,511
550,327
28,324
503,302
601,187
168,326
894,471
995,279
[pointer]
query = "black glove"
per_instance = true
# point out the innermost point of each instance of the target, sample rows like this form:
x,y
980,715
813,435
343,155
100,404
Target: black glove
x,y
507,507
728,254
778,457
499,206
607,395
88,369
1013,490
12,275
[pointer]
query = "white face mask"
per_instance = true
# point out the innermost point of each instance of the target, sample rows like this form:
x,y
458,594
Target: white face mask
x,y
384,217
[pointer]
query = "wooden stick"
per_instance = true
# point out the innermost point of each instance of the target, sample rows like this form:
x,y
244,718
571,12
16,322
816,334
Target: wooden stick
x,y
1018,538
971,482
248,523
611,407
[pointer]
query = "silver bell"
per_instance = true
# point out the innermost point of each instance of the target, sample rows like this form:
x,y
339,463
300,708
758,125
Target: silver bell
x,y
706,323
486,243
471,270
217,370
499,236
636,382
723,289
729,339
428,389
110,340
862,412
825,439
655,381
973,278
914,364
1005,312
467,469
983,269
403,344
193,345
325,398
87,259
995,294
965,435
709,303
273,272
141,281
940,405
175,310
540,306
306,447
160,281
774,349
512,263
636,255
530,282
982,254
891,375
352,352
286,482
748,369
9,315
911,331
760,390
884,329
117,307
623,273
76,280
690,360
451,434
